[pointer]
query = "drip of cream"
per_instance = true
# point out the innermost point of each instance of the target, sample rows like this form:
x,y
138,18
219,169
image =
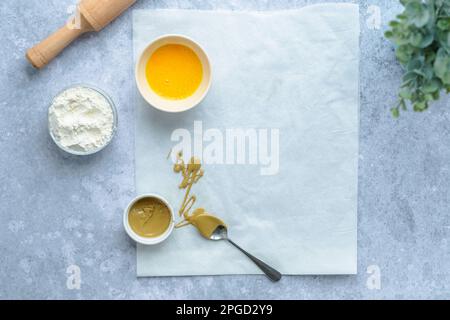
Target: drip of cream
x,y
199,218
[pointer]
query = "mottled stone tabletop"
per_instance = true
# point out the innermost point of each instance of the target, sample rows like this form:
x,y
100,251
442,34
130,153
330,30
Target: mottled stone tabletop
x,y
60,211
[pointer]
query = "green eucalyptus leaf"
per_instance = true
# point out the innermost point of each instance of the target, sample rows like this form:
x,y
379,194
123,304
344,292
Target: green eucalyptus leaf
x,y
430,56
405,93
442,66
414,64
421,34
395,112
415,39
403,104
436,95
428,71
404,54
439,3
427,39
443,38
428,97
420,106
443,24
389,34
402,17
417,13
394,24
432,86
405,2
409,76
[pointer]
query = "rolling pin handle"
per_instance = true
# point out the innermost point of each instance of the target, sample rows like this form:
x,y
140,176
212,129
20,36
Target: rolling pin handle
x,y
44,52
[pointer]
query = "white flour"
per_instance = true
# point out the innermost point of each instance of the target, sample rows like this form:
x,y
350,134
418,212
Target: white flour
x,y
81,119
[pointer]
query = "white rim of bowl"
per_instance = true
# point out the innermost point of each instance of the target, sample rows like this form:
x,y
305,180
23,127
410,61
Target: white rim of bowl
x,y
115,119
143,240
201,97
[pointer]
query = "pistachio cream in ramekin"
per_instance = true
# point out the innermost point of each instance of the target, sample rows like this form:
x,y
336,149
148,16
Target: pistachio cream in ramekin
x,y
149,219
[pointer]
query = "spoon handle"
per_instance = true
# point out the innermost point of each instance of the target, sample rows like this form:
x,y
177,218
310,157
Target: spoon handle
x,y
270,272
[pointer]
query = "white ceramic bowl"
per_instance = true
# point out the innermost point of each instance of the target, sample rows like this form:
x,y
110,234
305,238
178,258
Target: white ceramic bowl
x,y
145,240
171,105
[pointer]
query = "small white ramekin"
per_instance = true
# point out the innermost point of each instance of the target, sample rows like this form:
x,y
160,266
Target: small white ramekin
x,y
144,240
172,105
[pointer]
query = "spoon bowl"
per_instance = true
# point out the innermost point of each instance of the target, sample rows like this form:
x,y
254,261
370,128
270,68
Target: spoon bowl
x,y
219,234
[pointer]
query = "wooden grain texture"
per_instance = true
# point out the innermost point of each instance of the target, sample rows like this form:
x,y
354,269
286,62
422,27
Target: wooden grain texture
x,y
94,15
99,13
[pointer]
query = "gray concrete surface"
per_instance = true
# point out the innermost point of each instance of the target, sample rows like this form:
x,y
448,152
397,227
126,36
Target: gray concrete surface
x,y
59,210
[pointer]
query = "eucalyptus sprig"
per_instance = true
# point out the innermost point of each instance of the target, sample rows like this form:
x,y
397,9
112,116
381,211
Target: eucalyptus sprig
x,y
422,38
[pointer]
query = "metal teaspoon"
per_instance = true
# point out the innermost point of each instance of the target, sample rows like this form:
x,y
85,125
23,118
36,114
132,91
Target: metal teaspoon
x,y
221,233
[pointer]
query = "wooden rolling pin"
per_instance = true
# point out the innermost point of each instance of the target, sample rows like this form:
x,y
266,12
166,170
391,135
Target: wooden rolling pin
x,y
94,15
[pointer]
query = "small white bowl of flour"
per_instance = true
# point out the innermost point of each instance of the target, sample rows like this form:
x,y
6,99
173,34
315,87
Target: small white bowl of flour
x,y
82,120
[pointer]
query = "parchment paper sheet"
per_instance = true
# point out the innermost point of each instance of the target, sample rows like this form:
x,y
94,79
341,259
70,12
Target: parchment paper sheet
x,y
295,71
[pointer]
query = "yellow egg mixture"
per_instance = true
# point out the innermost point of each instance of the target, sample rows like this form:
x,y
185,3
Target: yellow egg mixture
x,y
174,71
